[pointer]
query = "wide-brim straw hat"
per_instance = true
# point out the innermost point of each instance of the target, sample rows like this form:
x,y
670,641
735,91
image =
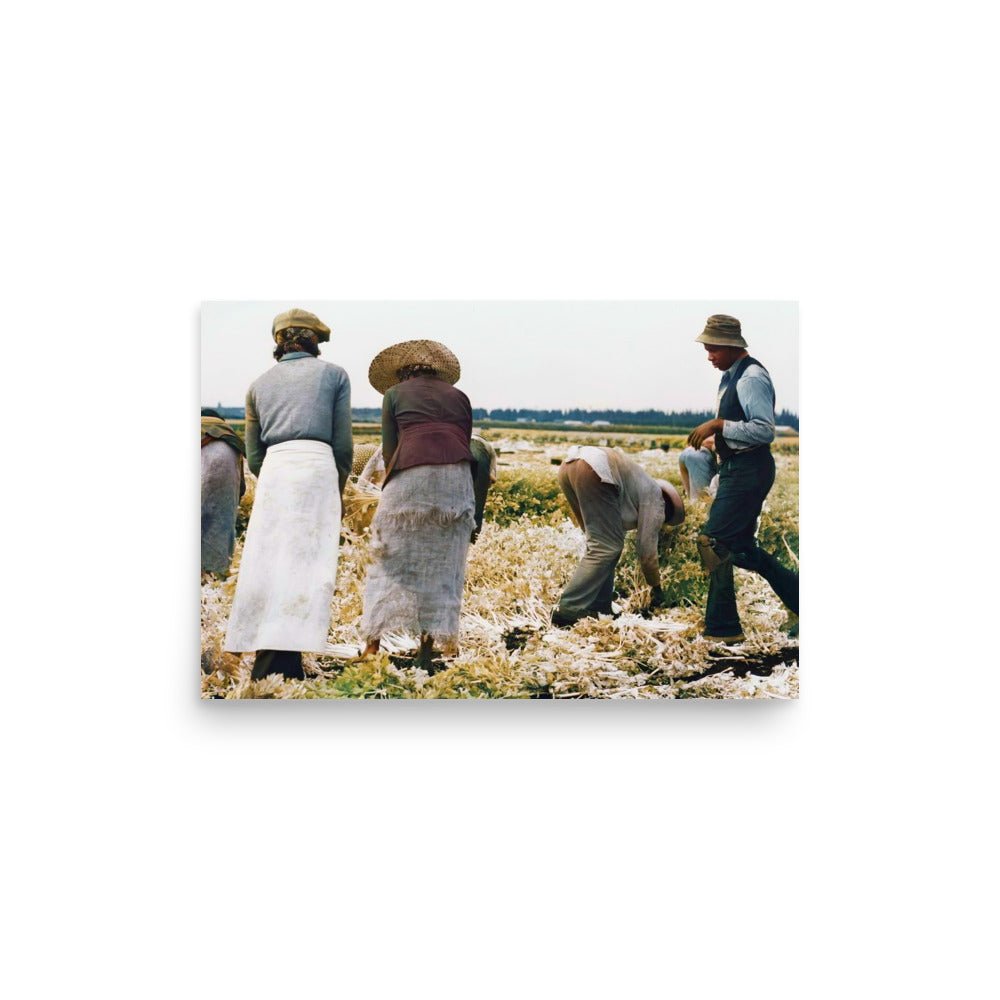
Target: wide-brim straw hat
x,y
672,499
722,331
300,317
383,373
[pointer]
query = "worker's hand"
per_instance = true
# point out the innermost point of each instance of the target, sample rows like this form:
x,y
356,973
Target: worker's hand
x,y
702,431
475,535
656,599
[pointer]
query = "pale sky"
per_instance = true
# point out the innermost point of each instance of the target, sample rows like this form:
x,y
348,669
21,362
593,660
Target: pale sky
x,y
549,355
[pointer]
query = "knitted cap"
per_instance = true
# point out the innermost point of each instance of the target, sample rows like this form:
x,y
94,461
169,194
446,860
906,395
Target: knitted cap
x,y
300,317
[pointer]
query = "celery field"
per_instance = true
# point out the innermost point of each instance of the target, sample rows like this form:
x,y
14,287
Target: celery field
x,y
516,570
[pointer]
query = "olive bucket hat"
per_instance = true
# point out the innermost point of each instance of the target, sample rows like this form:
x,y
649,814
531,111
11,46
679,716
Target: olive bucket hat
x,y
722,331
300,317
383,373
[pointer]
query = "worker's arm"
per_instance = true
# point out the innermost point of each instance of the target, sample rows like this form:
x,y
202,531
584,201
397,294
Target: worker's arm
x,y
705,430
256,449
651,515
390,432
756,396
343,437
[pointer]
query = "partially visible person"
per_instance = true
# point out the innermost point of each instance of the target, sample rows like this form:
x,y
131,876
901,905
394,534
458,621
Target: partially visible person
x,y
222,485
610,494
373,471
743,431
698,466
363,454
299,445
426,514
484,475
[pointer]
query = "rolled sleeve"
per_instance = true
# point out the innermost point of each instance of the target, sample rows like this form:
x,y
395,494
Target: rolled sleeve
x,y
651,516
390,431
343,436
756,396
256,449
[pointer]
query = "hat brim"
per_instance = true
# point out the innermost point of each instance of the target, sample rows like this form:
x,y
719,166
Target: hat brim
x,y
302,318
716,340
383,372
674,502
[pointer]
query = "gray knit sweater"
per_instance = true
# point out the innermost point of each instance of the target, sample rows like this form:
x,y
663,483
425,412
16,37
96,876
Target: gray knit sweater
x,y
300,398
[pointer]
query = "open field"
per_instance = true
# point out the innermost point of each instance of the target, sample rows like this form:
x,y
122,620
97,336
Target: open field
x,y
527,550
629,439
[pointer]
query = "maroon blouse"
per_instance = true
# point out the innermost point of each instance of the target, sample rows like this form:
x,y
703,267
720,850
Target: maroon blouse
x,y
428,420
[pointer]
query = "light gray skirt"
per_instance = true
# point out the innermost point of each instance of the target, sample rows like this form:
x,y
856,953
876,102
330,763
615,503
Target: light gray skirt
x,y
220,501
420,541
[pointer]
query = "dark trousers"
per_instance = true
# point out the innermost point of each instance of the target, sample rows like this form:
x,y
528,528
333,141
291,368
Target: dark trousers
x,y
744,482
278,661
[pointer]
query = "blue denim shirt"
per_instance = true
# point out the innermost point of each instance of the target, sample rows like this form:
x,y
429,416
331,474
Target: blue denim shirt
x,y
755,393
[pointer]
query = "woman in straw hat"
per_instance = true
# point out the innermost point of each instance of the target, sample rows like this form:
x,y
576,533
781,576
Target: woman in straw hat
x,y
425,518
484,475
299,444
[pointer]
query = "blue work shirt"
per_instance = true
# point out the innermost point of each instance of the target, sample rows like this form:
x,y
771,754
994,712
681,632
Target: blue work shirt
x,y
756,394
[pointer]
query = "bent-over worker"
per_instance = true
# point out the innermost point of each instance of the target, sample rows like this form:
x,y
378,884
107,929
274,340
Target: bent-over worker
x,y
222,486
610,494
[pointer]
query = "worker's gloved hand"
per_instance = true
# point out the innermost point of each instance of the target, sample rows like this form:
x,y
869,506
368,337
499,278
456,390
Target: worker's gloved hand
x,y
656,599
475,535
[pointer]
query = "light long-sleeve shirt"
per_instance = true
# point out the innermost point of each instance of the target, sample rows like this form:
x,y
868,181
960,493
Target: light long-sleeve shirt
x,y
756,395
300,398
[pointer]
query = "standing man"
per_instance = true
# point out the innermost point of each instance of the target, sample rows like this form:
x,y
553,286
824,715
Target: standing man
x,y
610,494
744,430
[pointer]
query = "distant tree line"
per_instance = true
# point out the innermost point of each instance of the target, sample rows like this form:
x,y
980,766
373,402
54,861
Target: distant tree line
x,y
660,418
673,418
373,414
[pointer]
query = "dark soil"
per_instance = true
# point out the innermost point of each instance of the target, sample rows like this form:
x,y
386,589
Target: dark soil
x,y
517,638
760,666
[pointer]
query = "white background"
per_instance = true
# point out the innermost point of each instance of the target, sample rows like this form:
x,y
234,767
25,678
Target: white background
x,y
161,155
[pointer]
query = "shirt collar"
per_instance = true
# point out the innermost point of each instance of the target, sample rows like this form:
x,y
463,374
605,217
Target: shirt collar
x,y
726,375
294,355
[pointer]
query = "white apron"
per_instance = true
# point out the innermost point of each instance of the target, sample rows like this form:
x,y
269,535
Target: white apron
x,y
289,565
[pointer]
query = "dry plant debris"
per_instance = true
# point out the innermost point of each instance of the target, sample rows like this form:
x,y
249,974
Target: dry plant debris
x,y
516,571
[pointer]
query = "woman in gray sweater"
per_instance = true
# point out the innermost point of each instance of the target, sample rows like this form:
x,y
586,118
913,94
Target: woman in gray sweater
x,y
299,445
